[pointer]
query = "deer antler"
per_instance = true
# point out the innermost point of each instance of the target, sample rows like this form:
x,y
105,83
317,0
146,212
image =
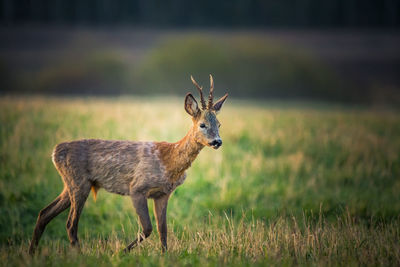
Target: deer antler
x,y
210,96
203,103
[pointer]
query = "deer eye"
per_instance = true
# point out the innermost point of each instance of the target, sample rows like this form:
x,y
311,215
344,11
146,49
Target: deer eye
x,y
202,125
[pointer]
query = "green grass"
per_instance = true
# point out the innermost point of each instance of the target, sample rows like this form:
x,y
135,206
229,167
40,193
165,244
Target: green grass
x,y
292,184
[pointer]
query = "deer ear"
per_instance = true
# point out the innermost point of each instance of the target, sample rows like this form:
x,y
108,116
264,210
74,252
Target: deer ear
x,y
191,106
218,105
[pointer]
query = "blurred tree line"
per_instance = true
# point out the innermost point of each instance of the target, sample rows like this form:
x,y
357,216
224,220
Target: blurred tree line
x,y
205,13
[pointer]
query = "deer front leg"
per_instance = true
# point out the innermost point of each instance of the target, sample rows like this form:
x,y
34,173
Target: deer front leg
x,y
160,212
140,205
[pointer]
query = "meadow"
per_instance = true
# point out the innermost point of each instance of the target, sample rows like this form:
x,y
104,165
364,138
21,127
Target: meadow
x,y
295,183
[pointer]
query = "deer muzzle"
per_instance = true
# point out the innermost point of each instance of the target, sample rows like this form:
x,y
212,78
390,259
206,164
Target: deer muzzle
x,y
216,143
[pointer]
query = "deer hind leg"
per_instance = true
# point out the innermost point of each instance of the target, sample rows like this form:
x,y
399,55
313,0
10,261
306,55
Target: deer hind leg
x,y
160,212
140,205
61,203
78,195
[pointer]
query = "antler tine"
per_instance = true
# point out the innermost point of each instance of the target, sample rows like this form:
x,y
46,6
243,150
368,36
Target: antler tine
x,y
203,103
210,96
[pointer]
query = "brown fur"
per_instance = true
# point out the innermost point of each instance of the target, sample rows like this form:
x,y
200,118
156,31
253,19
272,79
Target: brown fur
x,y
177,157
139,169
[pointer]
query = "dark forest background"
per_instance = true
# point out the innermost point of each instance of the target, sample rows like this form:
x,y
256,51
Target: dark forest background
x,y
181,13
343,50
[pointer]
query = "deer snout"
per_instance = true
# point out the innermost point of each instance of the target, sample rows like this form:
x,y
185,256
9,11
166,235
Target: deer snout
x,y
216,143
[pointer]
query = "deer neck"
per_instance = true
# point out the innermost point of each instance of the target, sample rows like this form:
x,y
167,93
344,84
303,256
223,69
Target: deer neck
x,y
177,157
187,149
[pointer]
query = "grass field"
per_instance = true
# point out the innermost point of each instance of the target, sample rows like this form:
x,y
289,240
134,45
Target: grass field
x,y
294,184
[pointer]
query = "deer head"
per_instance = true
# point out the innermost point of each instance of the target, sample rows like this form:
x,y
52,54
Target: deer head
x,y
205,123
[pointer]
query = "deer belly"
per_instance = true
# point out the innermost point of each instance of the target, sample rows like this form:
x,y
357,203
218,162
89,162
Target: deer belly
x,y
116,186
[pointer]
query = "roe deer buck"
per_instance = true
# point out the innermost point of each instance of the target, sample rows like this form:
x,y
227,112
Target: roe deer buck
x,y
141,170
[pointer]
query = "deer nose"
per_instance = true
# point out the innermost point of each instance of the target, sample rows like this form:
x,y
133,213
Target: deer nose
x,y
216,143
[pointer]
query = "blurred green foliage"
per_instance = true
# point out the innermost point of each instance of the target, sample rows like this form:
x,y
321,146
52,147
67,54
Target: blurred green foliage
x,y
246,66
98,72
